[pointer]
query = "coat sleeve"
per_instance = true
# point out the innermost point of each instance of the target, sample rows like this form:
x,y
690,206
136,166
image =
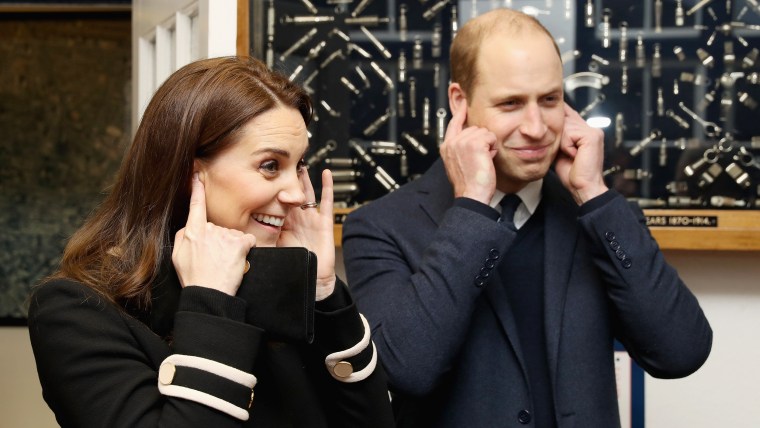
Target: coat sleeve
x,y
99,367
355,389
656,317
418,284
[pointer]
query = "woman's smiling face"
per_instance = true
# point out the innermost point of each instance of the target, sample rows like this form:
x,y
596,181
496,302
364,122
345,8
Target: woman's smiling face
x,y
252,185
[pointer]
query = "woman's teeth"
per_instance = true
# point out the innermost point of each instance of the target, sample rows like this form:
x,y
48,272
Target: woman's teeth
x,y
270,220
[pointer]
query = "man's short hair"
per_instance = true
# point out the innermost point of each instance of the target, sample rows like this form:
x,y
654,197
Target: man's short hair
x,y
466,45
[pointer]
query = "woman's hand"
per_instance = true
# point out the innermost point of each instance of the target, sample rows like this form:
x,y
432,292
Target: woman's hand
x,y
208,255
313,228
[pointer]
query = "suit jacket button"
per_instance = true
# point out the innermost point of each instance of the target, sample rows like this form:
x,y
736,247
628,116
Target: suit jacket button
x,y
480,281
620,254
627,263
609,236
614,245
493,254
490,263
523,417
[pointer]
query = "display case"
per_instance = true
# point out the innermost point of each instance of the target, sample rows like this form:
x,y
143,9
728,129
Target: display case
x,y
674,84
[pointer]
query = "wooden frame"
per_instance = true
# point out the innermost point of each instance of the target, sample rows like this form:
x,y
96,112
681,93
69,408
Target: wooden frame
x,y
735,231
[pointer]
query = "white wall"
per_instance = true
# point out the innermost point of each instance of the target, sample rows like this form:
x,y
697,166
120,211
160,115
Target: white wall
x,y
724,393
21,404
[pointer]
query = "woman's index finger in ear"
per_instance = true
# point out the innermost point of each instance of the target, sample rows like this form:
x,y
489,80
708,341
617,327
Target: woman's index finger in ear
x,y
197,213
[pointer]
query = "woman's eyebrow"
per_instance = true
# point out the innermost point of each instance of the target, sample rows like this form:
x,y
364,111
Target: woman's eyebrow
x,y
280,152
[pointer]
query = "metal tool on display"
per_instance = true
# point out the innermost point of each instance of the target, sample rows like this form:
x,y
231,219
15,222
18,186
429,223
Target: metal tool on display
x,y
434,9
341,162
435,41
306,20
623,51
363,76
353,47
380,174
322,153
679,13
660,102
377,123
641,58
347,83
309,5
678,119
589,14
440,125
656,61
331,111
369,20
454,22
383,50
413,97
417,53
641,145
711,129
298,43
388,82
426,116
360,7
402,22
592,105
619,129
606,28
415,143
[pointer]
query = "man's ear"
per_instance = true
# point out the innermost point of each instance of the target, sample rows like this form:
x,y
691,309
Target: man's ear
x,y
457,98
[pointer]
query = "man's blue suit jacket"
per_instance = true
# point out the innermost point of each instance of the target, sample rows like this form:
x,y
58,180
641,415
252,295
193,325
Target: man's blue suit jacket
x,y
415,261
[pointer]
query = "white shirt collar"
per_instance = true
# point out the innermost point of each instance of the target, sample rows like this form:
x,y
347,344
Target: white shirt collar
x,y
530,196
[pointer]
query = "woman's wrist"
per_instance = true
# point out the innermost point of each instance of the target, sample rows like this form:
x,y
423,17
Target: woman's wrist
x,y
325,287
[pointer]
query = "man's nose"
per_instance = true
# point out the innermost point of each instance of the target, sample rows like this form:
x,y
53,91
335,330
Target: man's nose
x,y
533,124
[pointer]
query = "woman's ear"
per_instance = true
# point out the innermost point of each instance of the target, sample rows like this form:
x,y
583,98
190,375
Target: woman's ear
x,y
199,168
457,98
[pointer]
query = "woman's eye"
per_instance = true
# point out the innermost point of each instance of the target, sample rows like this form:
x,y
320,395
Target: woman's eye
x,y
270,166
301,167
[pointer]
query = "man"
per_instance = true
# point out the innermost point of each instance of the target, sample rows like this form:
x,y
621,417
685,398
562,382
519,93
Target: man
x,y
482,320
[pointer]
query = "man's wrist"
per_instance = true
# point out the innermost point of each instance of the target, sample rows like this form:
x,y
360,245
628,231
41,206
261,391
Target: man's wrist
x,y
588,193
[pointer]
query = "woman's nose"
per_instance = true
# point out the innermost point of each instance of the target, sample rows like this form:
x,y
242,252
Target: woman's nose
x,y
292,192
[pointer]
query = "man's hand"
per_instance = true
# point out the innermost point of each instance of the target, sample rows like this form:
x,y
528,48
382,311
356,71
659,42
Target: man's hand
x,y
580,158
468,156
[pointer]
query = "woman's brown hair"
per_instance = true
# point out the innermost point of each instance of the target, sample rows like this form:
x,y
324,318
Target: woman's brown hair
x,y
195,114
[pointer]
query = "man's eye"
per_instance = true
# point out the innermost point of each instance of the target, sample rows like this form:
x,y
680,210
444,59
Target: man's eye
x,y
270,166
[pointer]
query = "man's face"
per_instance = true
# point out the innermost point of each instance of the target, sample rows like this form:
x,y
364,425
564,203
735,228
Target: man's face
x,y
518,96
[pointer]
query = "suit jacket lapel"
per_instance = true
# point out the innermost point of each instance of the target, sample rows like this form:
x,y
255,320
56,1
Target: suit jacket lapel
x,y
560,238
438,197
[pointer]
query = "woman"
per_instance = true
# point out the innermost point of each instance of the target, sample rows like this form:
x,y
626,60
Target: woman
x,y
140,326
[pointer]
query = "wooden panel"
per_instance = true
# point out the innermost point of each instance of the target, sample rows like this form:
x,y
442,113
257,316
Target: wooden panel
x,y
243,28
735,231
